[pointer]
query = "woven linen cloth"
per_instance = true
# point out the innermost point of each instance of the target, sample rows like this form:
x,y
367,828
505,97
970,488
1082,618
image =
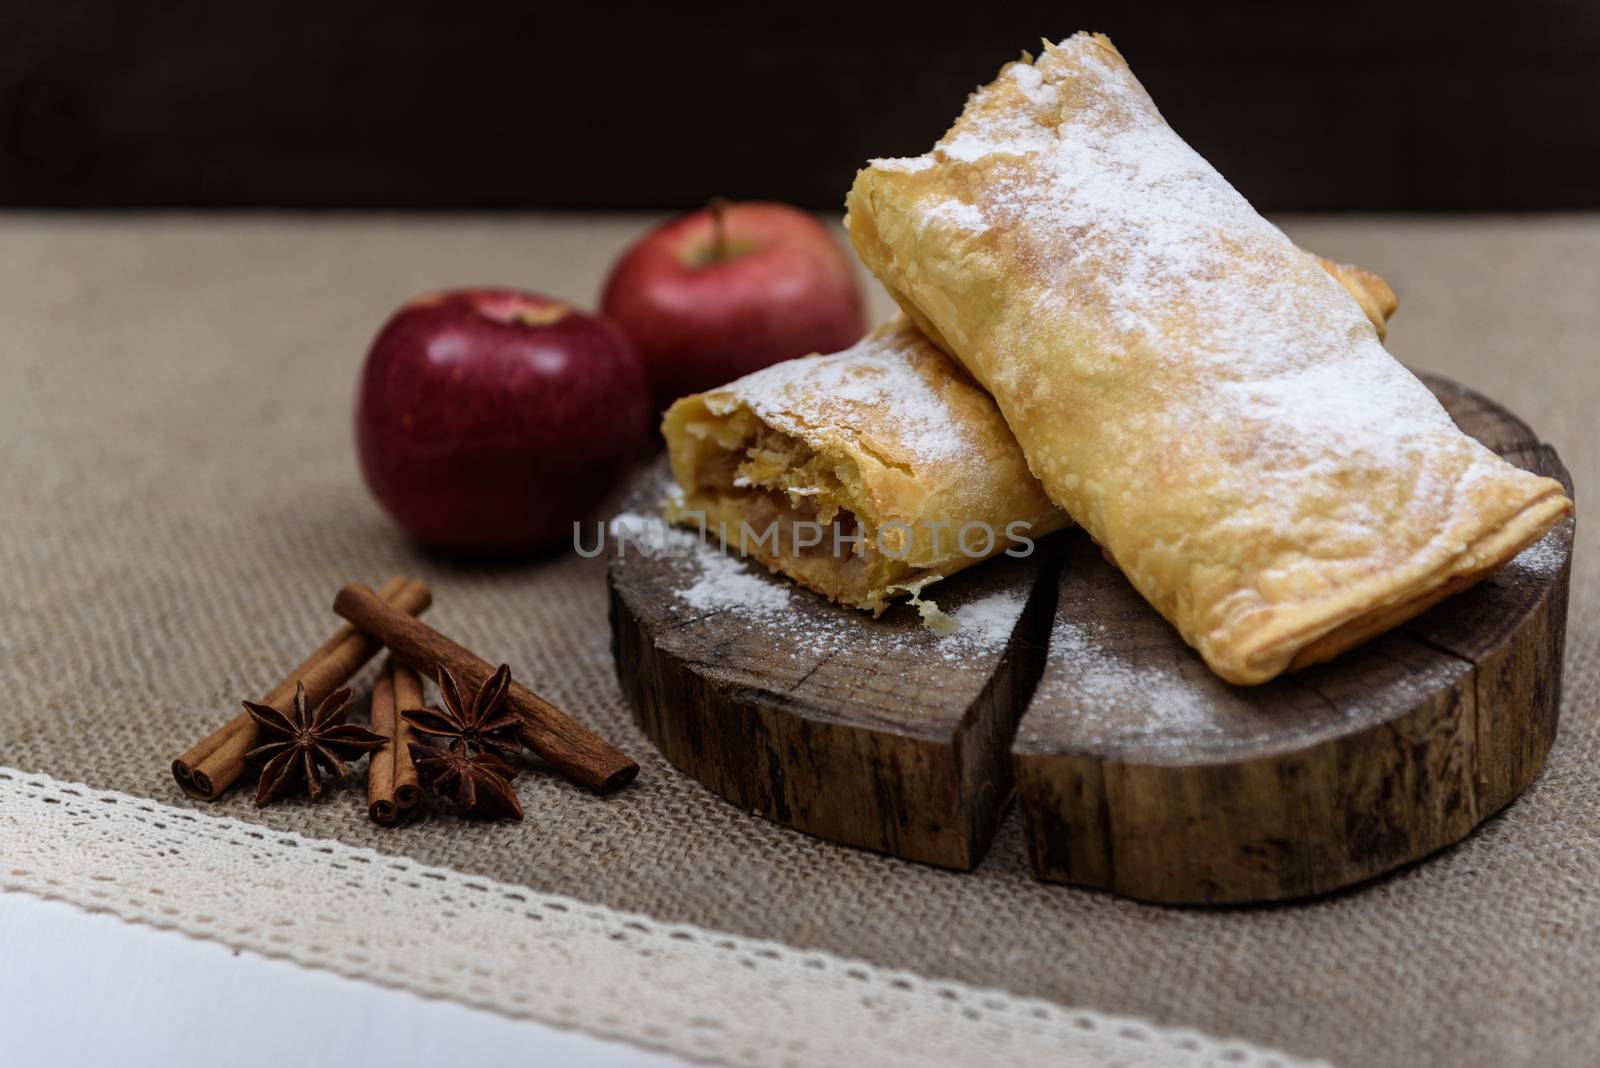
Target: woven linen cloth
x,y
701,994
181,501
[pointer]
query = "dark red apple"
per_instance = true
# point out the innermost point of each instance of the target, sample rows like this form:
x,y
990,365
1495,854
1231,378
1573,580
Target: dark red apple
x,y
718,293
489,421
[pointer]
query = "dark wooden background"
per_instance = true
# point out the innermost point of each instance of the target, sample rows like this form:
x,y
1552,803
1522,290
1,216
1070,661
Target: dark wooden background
x,y
468,104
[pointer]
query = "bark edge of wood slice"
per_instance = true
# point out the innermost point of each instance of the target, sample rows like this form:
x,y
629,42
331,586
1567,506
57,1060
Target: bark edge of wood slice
x,y
1141,773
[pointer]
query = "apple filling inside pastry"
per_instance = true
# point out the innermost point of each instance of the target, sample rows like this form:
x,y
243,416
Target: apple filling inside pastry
x,y
864,475
767,494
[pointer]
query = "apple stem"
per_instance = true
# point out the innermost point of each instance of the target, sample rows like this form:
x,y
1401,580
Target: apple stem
x,y
719,235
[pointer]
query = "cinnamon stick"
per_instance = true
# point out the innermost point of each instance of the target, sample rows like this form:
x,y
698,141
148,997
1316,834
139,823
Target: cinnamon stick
x,y
392,787
218,760
566,745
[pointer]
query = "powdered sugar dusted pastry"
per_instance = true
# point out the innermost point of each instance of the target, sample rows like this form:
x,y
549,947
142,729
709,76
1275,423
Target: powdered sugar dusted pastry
x,y
889,441
1217,411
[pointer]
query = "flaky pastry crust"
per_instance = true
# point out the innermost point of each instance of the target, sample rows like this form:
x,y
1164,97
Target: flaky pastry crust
x,y
1216,411
889,440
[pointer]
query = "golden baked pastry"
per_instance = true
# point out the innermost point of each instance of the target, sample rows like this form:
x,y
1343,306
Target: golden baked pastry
x,y
889,441
888,433
1215,410
1370,291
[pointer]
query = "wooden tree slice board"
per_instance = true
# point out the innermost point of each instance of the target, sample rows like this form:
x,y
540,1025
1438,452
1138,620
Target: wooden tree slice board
x,y
1137,770
1140,772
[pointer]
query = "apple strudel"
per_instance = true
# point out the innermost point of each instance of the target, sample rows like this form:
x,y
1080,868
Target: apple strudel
x,y
860,475
1214,410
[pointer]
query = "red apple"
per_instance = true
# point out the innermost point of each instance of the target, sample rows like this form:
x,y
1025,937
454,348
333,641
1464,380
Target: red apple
x,y
489,421
718,293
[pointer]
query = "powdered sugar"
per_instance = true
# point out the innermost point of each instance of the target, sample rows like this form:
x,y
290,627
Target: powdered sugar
x,y
1545,556
1102,690
649,535
909,165
709,579
966,216
1039,92
713,580
726,583
877,381
1013,132
985,623
1014,140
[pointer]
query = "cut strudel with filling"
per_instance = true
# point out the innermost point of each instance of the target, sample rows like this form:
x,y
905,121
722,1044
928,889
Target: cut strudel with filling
x,y
861,475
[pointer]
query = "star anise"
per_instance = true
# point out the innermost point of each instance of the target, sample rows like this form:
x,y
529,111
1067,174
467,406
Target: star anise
x,y
479,782
301,743
483,726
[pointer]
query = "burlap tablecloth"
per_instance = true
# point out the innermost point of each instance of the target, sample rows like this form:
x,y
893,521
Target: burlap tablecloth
x,y
179,501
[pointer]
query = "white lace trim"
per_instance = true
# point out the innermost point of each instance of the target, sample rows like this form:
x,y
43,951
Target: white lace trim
x,y
692,992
